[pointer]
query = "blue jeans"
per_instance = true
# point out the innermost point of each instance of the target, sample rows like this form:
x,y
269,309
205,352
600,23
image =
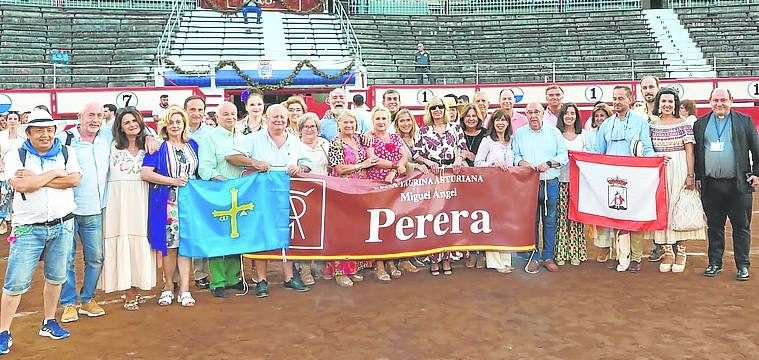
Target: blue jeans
x,y
90,231
24,254
547,213
248,9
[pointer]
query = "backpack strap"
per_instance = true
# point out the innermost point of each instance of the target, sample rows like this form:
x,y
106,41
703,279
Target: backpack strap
x,y
22,156
69,138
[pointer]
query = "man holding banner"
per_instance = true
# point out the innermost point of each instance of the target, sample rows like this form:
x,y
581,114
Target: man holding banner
x,y
214,146
261,151
542,148
625,133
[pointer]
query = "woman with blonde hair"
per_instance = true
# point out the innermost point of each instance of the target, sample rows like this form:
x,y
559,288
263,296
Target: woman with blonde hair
x,y
175,162
296,107
349,159
440,143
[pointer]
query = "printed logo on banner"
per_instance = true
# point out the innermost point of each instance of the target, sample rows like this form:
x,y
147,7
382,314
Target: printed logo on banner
x,y
617,193
307,213
5,103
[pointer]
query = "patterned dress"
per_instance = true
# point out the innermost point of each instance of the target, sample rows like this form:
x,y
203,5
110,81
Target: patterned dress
x,y
442,149
391,151
570,239
670,140
341,153
183,162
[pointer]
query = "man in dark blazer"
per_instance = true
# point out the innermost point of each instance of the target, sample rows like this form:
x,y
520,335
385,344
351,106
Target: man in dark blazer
x,y
727,178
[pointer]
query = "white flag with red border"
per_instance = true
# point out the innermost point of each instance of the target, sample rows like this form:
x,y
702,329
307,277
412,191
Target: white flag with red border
x,y
619,192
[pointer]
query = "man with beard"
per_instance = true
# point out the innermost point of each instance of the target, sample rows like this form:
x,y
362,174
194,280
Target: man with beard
x,y
338,103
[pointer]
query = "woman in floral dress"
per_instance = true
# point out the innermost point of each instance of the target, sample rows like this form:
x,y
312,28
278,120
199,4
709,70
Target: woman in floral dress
x,y
440,144
348,159
389,148
570,240
128,261
175,162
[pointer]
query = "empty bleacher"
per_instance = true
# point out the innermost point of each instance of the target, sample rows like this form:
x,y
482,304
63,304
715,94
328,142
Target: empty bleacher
x,y
206,36
316,36
578,46
91,37
729,33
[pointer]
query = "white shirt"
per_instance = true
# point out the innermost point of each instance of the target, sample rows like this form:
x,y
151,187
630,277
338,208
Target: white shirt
x,y
7,144
46,203
158,112
261,147
578,144
318,156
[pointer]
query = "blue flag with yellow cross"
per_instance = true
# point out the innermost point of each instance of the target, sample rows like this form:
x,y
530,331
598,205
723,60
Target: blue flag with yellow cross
x,y
245,215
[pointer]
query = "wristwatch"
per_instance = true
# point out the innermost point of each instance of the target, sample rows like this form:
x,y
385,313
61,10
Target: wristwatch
x,y
549,164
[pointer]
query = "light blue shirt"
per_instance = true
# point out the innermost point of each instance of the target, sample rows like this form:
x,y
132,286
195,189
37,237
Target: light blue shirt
x,y
615,136
719,164
92,193
260,146
537,147
197,135
328,127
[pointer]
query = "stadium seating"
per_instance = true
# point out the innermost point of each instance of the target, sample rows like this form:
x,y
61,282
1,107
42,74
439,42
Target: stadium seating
x,y
92,37
503,48
726,32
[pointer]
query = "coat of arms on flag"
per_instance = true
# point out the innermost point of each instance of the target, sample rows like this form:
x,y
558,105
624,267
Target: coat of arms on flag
x,y
619,192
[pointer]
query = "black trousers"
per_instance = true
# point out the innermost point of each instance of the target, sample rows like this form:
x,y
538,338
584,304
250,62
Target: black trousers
x,y
722,199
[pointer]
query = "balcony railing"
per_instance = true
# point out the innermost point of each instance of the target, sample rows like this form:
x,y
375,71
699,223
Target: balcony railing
x,y
104,4
468,7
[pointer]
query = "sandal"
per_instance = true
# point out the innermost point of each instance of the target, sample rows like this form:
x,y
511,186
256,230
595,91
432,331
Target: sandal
x,y
447,271
186,300
408,266
357,277
394,272
166,298
343,281
435,272
131,305
382,275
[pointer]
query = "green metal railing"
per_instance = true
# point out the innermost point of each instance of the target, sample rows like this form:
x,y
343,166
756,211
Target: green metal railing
x,y
696,3
104,4
468,7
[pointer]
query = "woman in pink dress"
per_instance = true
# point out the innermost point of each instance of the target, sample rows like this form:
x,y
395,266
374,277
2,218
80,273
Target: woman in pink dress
x,y
391,164
348,158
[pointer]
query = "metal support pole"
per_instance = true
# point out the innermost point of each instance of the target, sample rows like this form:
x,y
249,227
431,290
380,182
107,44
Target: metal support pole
x,y
553,71
477,73
55,71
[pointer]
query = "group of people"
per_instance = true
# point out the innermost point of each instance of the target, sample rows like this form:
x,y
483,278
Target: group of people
x,y
110,185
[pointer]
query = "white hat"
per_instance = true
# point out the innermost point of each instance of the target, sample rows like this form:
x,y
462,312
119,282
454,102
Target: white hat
x,y
40,117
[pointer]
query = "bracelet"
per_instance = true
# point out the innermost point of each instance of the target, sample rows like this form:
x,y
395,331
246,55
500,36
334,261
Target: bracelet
x,y
395,164
691,175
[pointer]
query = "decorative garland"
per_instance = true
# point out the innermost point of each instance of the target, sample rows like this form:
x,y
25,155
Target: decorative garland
x,y
231,11
256,85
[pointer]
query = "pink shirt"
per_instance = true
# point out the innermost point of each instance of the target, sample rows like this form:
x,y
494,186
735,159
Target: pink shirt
x,y
550,118
517,120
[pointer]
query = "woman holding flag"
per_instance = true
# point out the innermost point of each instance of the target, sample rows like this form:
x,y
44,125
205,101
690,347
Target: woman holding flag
x,y
175,162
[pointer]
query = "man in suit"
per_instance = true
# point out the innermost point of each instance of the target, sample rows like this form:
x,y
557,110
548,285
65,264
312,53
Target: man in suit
x,y
727,178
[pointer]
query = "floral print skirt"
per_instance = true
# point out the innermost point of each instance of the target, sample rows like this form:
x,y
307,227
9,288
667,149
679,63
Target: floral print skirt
x,y
570,240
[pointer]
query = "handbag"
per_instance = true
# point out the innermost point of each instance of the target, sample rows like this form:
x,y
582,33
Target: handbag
x,y
688,214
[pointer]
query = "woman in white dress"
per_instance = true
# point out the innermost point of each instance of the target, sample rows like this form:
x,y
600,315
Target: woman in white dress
x,y
129,263
673,138
495,150
9,141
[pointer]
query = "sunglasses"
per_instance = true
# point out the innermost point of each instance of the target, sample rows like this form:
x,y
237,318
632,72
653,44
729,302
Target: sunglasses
x,y
437,107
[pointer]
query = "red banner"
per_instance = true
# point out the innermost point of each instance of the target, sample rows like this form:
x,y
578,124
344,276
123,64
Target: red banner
x,y
478,209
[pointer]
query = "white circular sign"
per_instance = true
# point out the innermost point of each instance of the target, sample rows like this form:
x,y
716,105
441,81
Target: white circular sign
x,y
518,94
126,99
679,89
753,89
424,95
594,93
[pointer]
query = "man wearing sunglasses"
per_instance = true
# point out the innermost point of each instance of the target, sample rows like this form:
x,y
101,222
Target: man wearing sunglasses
x,y
625,133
